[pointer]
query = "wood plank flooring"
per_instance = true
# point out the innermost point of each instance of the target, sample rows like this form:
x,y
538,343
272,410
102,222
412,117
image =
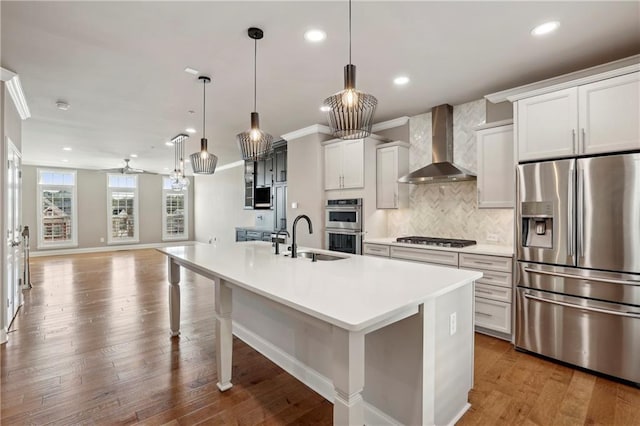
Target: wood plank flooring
x,y
91,346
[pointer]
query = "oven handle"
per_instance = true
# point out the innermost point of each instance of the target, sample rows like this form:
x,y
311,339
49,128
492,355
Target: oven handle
x,y
586,308
343,231
580,277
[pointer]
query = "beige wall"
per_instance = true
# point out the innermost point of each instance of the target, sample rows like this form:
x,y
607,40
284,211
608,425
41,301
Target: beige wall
x,y
92,207
219,205
500,111
305,180
400,133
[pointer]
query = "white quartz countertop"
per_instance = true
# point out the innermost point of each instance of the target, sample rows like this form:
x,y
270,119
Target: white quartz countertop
x,y
353,293
487,249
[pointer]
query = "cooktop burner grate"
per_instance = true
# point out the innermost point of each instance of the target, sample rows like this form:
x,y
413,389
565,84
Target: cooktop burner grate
x,y
440,242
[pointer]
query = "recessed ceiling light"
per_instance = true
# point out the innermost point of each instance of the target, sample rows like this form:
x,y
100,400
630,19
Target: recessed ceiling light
x,y
401,80
191,71
190,130
66,148
63,105
315,35
134,155
325,108
168,143
546,28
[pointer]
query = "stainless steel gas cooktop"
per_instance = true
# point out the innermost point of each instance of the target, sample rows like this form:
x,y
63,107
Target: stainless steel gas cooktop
x,y
440,242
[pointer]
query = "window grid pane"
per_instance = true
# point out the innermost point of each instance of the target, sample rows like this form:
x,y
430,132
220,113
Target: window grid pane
x,y
174,209
57,213
122,214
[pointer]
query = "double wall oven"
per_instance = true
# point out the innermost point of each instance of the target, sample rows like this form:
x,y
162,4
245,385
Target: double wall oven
x,y
343,225
578,294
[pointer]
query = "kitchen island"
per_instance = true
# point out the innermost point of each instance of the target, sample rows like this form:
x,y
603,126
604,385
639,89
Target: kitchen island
x,y
385,341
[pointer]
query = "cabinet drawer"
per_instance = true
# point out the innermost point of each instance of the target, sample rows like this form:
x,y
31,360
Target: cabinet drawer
x,y
501,294
493,315
484,262
493,278
376,250
447,258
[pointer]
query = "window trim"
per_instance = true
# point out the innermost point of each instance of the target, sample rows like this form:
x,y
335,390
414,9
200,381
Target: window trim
x,y
136,212
165,192
42,244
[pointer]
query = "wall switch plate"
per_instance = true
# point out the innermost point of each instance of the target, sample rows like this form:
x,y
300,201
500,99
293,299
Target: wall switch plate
x,y
492,237
294,205
453,324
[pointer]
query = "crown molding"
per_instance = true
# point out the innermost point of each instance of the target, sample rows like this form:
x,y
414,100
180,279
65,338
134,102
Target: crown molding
x,y
305,131
390,124
577,78
12,80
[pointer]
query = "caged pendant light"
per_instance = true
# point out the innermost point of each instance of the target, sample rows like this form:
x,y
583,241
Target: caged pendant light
x,y
203,162
350,111
255,144
179,181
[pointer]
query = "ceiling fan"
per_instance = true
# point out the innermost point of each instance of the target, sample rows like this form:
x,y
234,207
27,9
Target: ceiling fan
x,y
128,170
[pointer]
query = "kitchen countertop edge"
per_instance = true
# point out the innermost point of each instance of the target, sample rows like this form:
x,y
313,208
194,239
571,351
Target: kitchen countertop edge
x,y
484,249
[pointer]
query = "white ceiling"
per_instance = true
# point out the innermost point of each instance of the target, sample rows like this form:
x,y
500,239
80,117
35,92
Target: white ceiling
x,y
120,65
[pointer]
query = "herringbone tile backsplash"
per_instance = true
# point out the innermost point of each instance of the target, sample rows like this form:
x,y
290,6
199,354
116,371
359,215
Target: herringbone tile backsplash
x,y
450,209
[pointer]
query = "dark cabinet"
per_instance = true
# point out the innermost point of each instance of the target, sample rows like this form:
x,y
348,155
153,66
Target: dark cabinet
x,y
264,172
280,164
280,206
249,187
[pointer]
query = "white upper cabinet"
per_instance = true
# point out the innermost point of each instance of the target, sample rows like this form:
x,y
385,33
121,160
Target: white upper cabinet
x,y
496,167
344,165
547,125
609,115
599,117
392,162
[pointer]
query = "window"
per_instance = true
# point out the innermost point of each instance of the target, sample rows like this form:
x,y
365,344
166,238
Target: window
x,y
175,212
122,205
57,208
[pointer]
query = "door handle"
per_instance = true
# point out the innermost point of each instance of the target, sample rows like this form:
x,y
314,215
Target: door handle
x,y
570,221
581,277
586,308
581,210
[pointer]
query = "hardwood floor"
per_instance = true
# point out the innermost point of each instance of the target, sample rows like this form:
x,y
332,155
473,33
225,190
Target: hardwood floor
x,y
91,346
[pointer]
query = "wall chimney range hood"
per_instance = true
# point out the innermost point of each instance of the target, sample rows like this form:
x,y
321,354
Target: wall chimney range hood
x,y
442,169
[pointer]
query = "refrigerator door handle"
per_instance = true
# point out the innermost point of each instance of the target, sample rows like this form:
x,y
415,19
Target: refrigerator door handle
x,y
586,308
570,215
581,210
582,277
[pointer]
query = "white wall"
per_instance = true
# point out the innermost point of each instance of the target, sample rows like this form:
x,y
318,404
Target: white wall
x,y
218,205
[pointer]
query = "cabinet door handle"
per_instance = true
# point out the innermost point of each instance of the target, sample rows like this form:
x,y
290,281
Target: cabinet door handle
x,y
573,140
584,140
483,314
479,290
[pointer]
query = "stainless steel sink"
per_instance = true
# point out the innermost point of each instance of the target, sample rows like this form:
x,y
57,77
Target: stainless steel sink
x,y
318,256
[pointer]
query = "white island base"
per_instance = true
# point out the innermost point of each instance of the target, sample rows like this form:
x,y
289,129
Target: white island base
x,y
406,367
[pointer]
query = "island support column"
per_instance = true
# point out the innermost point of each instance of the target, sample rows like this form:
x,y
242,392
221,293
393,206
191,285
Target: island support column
x,y
348,377
173,272
224,338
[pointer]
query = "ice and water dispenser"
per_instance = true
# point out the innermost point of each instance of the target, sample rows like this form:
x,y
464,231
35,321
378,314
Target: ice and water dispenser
x,y
537,224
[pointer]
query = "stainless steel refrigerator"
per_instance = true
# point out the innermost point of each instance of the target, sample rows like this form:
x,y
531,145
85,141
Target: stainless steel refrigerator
x,y
578,247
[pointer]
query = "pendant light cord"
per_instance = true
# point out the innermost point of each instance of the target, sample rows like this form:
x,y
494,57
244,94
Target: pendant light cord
x,y
255,74
349,31
204,106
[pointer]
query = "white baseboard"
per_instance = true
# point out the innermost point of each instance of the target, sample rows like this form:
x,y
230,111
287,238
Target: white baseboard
x,y
460,414
307,375
61,252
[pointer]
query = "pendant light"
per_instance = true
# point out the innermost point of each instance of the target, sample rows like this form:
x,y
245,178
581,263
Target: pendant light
x,y
350,111
203,162
179,182
255,144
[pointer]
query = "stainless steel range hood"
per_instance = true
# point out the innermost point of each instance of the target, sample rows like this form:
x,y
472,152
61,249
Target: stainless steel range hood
x,y
442,169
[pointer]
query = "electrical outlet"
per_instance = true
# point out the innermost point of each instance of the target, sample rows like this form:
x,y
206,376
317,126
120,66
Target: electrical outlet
x,y
492,237
453,324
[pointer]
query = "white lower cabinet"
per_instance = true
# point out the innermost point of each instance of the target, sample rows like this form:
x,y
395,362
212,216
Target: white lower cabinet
x,y
493,315
375,250
493,292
